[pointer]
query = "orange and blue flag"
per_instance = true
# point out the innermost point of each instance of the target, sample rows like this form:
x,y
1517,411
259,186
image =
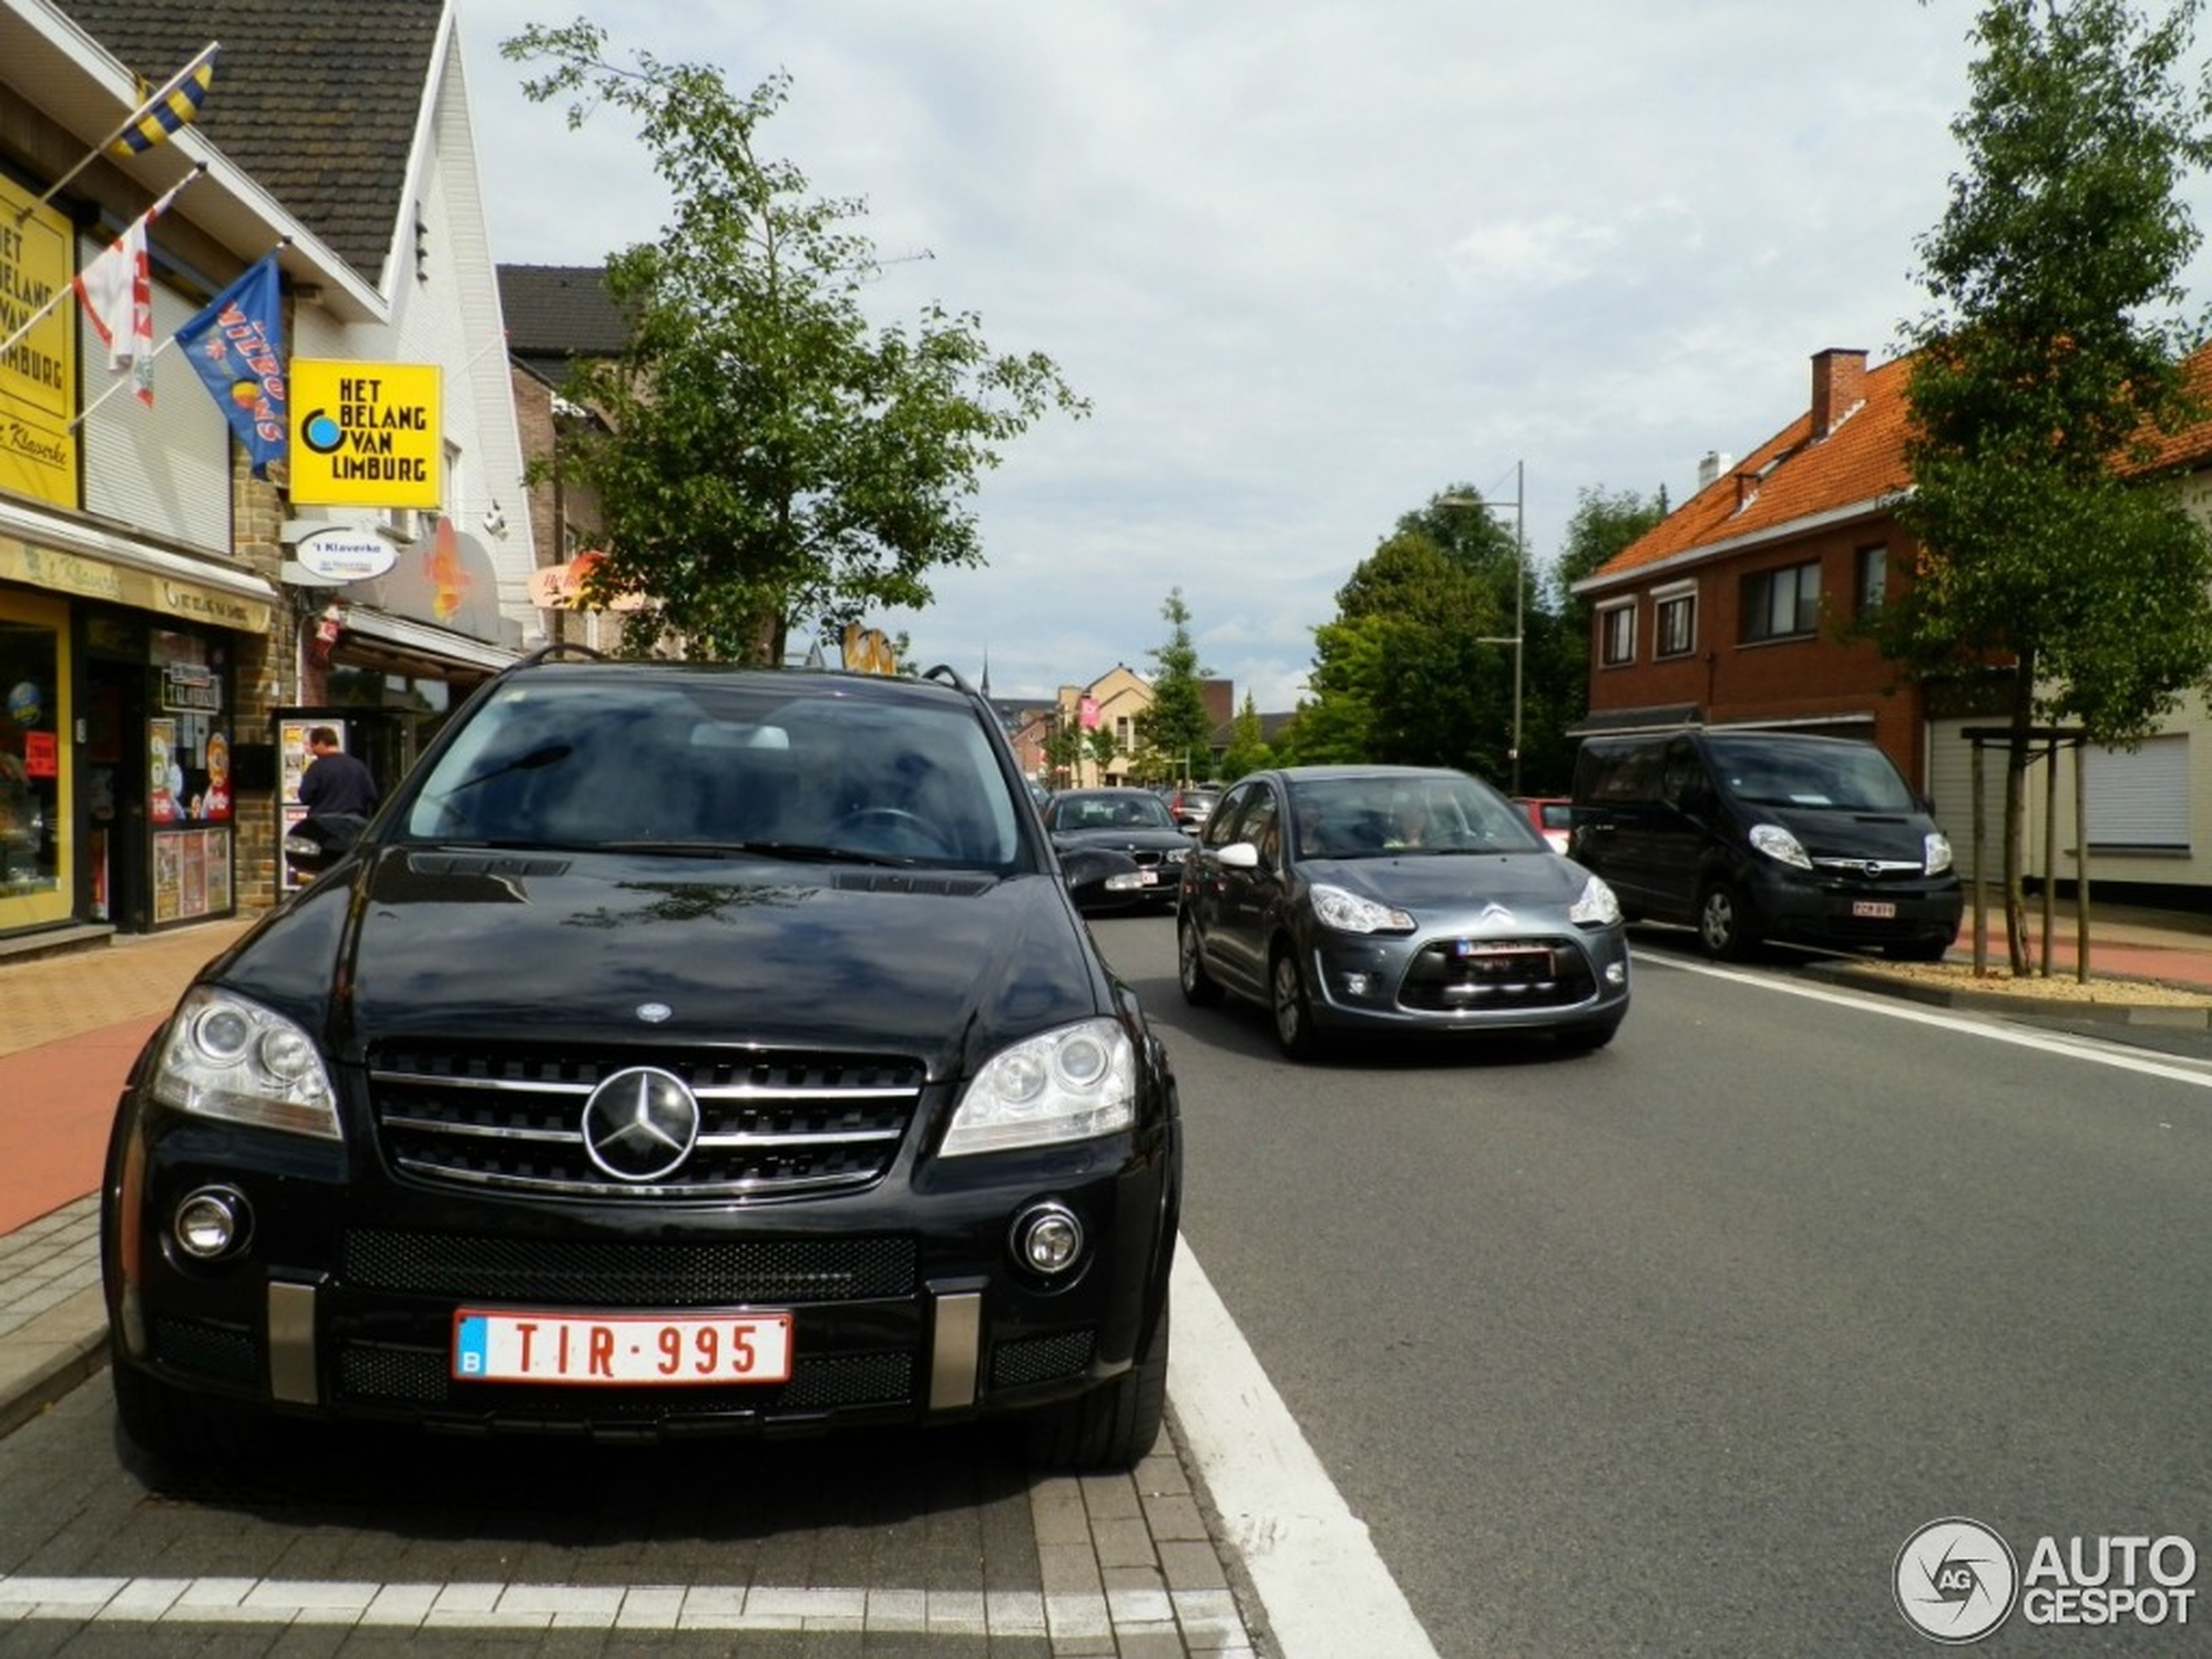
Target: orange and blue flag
x,y
176,105
236,347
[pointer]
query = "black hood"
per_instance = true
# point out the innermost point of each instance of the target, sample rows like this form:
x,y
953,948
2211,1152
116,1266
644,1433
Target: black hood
x,y
737,951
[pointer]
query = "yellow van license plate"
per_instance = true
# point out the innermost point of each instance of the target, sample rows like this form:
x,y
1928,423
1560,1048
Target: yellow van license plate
x,y
614,1349
1874,909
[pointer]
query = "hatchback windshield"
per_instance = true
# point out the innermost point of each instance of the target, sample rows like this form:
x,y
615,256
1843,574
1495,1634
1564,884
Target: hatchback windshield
x,y
1372,817
712,765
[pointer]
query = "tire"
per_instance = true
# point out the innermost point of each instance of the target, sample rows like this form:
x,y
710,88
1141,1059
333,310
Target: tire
x,y
1725,930
1114,1427
1200,989
1293,1010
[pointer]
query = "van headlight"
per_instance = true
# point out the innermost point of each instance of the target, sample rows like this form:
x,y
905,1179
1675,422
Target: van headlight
x,y
1072,1084
1937,852
1778,843
227,1057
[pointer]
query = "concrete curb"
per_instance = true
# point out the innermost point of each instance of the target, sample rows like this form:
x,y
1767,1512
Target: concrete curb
x,y
47,1356
2022,1004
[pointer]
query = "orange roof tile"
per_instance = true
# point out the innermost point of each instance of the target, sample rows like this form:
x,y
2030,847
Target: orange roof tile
x,y
1790,480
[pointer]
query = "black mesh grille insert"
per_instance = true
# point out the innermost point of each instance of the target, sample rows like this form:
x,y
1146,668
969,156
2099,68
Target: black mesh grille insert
x,y
379,1373
1495,976
619,1274
510,1115
220,1351
1035,1359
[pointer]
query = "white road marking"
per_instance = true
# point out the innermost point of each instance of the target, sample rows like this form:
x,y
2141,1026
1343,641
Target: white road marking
x,y
1873,1003
1312,1564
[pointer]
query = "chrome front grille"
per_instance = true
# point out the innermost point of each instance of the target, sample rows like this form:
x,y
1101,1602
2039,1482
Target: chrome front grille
x,y
510,1117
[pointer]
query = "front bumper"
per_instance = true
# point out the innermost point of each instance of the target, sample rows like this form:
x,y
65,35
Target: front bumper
x,y
907,1303
1821,909
1449,984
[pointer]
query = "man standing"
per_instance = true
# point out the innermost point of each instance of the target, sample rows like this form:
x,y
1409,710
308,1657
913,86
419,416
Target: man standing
x,y
335,783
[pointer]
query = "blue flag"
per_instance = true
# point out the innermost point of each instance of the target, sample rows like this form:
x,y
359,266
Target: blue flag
x,y
236,346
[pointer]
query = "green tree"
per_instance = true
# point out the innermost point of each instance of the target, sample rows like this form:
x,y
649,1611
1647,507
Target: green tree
x,y
1101,746
769,459
1174,732
2043,367
1248,750
1063,748
1402,674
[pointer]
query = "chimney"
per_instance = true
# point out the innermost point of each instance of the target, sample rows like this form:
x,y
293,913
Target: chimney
x,y
1711,469
1838,386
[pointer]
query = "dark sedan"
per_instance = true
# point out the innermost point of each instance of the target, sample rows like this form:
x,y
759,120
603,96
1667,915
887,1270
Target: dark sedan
x,y
1402,901
1135,822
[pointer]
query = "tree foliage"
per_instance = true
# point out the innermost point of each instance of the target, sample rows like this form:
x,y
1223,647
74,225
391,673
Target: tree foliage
x,y
1175,731
769,457
1248,750
2050,358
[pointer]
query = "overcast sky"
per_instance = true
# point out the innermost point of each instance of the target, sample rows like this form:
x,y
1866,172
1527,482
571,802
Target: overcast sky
x,y
1312,262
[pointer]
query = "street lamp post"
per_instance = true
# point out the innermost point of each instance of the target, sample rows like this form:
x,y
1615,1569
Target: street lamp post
x,y
1518,638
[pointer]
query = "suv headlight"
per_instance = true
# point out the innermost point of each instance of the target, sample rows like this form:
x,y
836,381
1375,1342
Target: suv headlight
x,y
1072,1084
1348,912
1937,852
1777,843
229,1058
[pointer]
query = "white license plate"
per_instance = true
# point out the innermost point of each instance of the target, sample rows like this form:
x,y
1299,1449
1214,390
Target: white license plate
x,y
1874,909
628,1349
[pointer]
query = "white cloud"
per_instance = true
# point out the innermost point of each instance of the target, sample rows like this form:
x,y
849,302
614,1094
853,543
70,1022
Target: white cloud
x,y
1311,262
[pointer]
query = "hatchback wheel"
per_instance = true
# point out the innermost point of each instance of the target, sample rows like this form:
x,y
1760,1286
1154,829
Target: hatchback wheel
x,y
1294,1028
1199,988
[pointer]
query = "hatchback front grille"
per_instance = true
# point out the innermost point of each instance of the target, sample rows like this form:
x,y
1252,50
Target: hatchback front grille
x,y
641,1274
511,1117
1496,975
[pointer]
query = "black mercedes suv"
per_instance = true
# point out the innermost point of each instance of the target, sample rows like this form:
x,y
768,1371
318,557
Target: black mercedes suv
x,y
682,1049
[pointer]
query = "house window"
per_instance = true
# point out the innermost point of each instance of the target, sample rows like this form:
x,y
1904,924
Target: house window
x,y
1873,578
1616,632
1674,621
1782,604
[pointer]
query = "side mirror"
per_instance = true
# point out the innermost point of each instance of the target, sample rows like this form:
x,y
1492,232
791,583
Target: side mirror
x,y
1094,874
313,845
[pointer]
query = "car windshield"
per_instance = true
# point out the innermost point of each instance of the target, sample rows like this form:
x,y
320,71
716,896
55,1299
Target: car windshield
x,y
1136,810
713,766
1842,778
1352,818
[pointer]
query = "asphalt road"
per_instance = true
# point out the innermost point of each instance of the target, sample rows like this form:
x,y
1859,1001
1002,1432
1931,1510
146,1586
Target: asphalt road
x,y
1671,1349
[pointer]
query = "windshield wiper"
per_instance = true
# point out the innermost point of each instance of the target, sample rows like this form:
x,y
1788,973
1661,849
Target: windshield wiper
x,y
550,754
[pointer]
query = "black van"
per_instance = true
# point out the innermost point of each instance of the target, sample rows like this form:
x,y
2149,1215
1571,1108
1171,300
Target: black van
x,y
1752,835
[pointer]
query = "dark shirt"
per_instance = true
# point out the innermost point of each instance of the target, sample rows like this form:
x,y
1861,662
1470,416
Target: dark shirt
x,y
335,784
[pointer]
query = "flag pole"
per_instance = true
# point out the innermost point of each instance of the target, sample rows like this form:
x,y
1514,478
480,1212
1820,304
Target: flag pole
x,y
145,107
160,205
123,383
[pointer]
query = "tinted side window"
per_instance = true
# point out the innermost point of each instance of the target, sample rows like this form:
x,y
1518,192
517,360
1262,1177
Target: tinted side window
x,y
1221,825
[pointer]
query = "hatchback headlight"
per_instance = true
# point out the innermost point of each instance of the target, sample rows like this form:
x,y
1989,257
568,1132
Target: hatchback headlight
x,y
1072,1084
1778,843
227,1057
1596,907
1937,852
1349,913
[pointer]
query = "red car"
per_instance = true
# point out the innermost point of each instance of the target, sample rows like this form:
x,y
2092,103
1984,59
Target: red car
x,y
1553,815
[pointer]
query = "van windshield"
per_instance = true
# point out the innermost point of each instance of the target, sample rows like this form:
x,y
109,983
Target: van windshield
x,y
1843,777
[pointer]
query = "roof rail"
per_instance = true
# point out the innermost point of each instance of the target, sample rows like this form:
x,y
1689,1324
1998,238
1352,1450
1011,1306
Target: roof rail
x,y
559,648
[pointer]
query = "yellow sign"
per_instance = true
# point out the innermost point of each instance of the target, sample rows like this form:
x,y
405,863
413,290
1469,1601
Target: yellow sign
x,y
365,434
38,368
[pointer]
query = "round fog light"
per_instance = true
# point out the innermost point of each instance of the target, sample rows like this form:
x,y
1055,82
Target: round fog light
x,y
209,1222
1048,1238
